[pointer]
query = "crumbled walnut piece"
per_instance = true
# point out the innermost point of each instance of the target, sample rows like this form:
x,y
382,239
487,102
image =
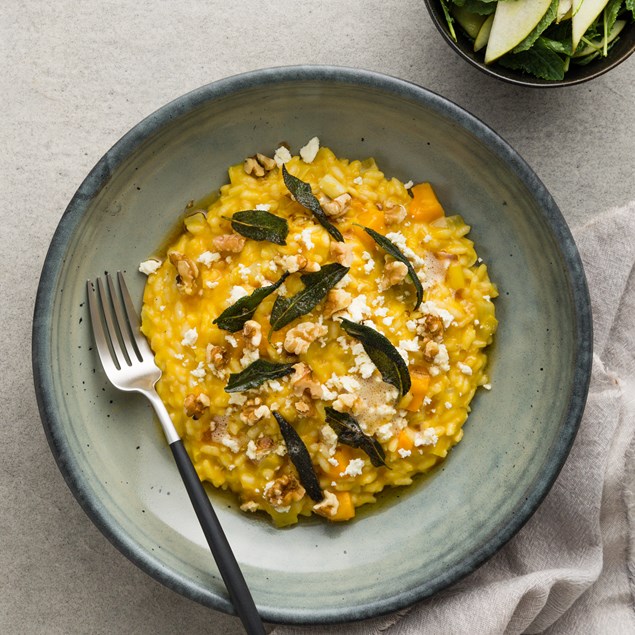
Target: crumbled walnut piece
x,y
334,208
430,325
258,165
336,300
328,506
264,444
218,356
186,272
252,332
232,243
300,337
302,379
394,273
283,491
253,410
345,402
394,213
430,350
342,253
195,405
305,406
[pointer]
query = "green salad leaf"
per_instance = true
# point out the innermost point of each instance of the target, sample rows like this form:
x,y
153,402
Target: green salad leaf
x,y
539,60
546,20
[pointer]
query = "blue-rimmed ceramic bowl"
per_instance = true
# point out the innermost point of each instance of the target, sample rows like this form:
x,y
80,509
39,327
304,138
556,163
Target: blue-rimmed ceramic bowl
x,y
113,455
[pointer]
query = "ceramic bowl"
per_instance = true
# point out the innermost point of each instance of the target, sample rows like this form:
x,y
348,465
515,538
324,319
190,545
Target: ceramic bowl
x,y
415,541
463,46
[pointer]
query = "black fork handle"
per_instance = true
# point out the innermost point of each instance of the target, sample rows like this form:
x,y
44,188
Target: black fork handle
x,y
217,541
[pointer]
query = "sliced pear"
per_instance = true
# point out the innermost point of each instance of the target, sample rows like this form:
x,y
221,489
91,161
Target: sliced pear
x,y
483,34
565,9
584,17
471,22
598,46
513,22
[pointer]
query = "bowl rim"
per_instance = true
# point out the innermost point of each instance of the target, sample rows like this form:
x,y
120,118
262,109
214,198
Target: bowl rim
x,y
42,360
434,10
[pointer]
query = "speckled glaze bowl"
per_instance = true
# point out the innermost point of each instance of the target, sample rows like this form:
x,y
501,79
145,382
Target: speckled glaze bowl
x,y
621,51
415,541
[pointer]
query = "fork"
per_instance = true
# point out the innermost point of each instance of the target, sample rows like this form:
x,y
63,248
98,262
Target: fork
x,y
129,364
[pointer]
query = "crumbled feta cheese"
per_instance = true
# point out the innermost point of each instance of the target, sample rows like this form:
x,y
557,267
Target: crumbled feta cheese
x,y
310,150
236,293
426,437
464,368
358,180
231,443
385,433
427,238
447,405
427,401
403,453
281,156
162,308
381,311
178,355
357,310
410,345
231,340
477,322
369,266
244,272
388,320
305,237
354,468
442,359
333,461
251,450
208,257
487,386
486,297
189,338
261,412
434,309
199,371
349,383
275,385
149,266
211,284
411,325
263,207
408,184
249,357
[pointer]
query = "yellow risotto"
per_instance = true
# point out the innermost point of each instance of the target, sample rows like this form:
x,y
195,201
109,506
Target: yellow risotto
x,y
321,331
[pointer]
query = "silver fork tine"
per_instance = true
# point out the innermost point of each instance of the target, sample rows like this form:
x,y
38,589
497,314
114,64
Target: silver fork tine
x,y
98,330
133,319
111,329
129,346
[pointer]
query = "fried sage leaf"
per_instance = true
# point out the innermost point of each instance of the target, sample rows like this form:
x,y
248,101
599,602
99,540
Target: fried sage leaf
x,y
316,285
349,432
300,458
233,318
260,225
383,354
389,247
303,194
257,373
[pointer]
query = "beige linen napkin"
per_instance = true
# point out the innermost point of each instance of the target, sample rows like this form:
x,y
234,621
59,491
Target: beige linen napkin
x,y
571,568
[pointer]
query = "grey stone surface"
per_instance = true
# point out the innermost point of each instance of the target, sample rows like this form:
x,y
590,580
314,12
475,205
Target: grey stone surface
x,y
77,76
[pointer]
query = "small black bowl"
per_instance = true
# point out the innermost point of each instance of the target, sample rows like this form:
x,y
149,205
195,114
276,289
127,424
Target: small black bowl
x,y
575,75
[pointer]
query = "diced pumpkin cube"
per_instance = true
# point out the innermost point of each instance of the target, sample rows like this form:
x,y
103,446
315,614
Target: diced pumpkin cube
x,y
424,205
346,509
418,389
405,440
342,456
